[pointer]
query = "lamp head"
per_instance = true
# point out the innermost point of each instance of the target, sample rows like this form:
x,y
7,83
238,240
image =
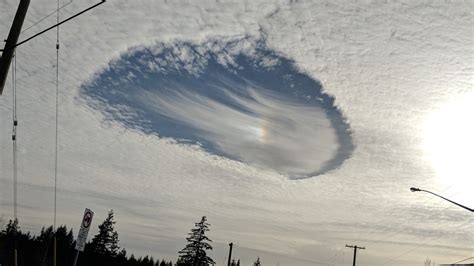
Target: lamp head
x,y
414,189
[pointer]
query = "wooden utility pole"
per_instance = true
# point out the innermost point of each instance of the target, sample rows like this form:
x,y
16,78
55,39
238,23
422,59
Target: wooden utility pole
x,y
10,43
355,252
15,30
230,253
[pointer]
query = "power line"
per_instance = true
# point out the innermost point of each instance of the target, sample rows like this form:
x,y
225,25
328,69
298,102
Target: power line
x,y
419,245
14,140
12,41
15,163
56,136
370,232
56,121
57,24
463,260
47,16
394,211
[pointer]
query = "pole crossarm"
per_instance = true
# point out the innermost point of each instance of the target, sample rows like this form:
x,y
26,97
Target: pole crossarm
x,y
355,247
57,24
10,43
351,246
15,30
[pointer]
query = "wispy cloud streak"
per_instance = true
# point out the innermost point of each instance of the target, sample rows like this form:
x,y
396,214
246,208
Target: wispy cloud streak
x,y
236,98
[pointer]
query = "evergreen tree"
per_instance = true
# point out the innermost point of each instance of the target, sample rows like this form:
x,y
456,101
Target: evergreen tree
x,y
12,227
65,240
45,235
194,254
257,263
37,250
106,241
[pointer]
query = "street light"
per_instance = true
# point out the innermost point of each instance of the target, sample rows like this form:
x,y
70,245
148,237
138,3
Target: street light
x,y
413,189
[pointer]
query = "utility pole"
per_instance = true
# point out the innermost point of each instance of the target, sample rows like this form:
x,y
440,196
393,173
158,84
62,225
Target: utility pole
x,y
230,253
9,49
15,30
355,252
5,60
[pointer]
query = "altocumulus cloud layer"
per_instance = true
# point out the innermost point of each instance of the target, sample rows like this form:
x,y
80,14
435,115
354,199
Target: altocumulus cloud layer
x,y
388,65
235,98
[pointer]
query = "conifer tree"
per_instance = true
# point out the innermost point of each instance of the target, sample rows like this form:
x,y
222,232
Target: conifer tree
x,y
106,241
194,254
12,227
257,263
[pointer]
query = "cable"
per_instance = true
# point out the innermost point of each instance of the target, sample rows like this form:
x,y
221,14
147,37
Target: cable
x,y
47,16
56,137
57,24
56,122
299,258
370,233
463,260
14,140
223,261
419,245
15,164
386,233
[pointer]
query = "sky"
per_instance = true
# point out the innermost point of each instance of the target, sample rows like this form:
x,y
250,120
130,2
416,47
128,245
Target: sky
x,y
296,127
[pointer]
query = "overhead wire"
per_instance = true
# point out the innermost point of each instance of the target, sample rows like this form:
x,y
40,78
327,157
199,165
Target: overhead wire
x,y
421,244
15,162
223,261
47,16
56,137
14,140
396,233
295,257
364,235
56,121
388,231
463,260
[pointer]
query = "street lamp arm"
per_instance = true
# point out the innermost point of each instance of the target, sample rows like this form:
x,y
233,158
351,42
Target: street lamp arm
x,y
460,205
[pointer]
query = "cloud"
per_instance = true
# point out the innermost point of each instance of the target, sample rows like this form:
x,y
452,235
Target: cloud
x,y
386,65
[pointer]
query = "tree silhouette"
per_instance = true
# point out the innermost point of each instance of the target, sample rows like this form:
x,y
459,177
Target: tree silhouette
x,y
106,241
38,250
257,263
194,254
12,227
428,262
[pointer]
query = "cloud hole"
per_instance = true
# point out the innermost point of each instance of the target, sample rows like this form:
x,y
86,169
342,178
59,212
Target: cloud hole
x,y
235,98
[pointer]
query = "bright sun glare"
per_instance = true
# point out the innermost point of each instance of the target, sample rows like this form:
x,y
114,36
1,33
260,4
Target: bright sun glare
x,y
449,143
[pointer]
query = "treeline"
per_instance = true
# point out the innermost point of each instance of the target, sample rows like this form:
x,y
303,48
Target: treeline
x,y
102,250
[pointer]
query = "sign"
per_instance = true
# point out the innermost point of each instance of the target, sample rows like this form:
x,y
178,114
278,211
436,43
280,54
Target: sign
x,y
85,226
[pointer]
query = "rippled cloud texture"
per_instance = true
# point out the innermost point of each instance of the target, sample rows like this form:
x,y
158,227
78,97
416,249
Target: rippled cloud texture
x,y
387,65
236,98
